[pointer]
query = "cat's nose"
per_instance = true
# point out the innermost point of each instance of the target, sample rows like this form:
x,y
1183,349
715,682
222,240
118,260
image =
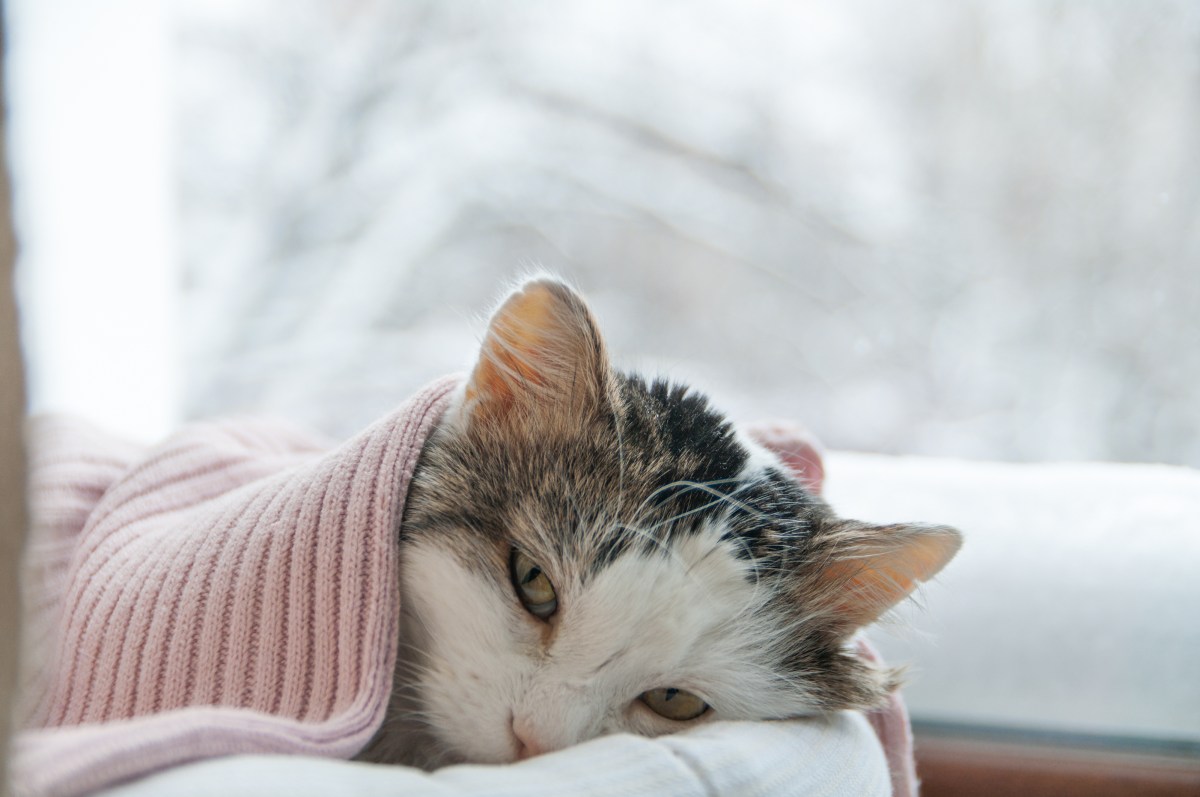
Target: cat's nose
x,y
528,751
528,744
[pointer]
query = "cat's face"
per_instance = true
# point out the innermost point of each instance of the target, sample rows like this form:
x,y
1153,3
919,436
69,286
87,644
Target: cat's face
x,y
585,553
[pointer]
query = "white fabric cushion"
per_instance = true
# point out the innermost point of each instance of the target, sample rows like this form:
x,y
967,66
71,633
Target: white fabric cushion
x,y
839,756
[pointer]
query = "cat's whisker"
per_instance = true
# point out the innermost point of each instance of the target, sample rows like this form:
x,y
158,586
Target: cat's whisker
x,y
722,497
645,510
687,513
655,542
688,484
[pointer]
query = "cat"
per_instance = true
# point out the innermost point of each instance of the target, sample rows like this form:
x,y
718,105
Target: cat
x,y
587,552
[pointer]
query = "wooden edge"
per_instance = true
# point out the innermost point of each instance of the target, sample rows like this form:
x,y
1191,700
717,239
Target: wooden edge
x,y
12,458
976,765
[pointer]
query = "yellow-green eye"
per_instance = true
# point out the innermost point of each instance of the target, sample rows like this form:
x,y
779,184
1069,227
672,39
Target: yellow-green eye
x,y
532,586
674,704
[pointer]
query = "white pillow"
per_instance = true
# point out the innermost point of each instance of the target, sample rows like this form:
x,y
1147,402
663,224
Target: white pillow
x,y
838,756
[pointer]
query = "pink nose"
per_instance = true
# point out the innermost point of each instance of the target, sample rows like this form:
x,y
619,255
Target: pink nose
x,y
528,744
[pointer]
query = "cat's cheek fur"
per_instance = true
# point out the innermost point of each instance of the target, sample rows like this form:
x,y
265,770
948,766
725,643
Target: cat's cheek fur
x,y
481,669
467,670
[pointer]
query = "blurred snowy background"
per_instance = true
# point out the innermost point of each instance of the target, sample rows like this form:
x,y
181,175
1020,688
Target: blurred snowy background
x,y
941,227
937,227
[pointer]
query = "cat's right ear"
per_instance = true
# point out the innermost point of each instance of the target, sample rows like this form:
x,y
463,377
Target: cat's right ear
x,y
542,355
868,569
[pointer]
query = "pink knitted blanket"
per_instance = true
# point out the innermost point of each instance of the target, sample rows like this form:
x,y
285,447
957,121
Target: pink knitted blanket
x,y
232,590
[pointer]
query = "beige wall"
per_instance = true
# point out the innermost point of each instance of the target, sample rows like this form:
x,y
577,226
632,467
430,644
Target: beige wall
x,y
12,460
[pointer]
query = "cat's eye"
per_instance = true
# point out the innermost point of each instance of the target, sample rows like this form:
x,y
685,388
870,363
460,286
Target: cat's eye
x,y
532,585
674,704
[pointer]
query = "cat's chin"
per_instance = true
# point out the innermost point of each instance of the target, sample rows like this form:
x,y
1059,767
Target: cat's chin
x,y
405,740
480,748
414,746
429,754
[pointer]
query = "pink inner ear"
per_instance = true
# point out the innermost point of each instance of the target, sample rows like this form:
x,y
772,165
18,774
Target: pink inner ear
x,y
798,449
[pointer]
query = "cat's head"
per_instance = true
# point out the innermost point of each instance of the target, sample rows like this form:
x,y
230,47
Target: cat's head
x,y
588,553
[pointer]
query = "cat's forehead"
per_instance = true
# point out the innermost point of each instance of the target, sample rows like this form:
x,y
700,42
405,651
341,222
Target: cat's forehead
x,y
662,467
667,608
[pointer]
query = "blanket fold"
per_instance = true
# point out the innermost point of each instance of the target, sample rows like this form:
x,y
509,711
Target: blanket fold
x,y
230,590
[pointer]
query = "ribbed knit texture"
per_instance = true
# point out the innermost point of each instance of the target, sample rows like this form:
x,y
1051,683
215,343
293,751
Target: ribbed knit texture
x,y
231,590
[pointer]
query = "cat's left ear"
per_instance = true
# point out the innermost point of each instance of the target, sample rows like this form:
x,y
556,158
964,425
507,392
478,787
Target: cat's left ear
x,y
796,447
542,356
870,569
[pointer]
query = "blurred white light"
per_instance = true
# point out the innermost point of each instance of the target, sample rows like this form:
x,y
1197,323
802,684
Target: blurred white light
x,y
89,130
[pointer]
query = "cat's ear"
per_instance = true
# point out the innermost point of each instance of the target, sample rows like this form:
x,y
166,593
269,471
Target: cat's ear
x,y
796,447
870,569
542,353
